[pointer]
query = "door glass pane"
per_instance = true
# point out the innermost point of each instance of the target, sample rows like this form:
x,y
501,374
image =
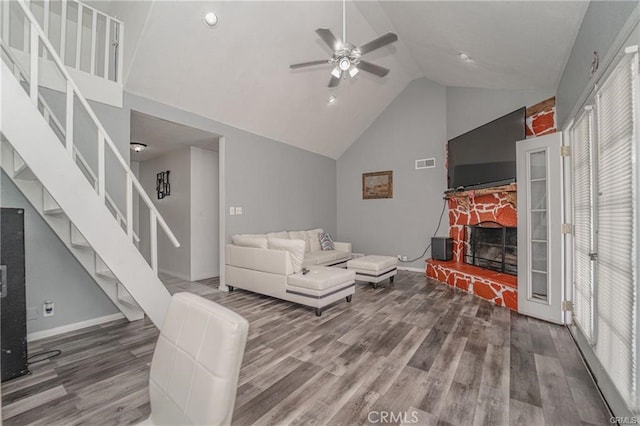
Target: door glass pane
x,y
538,227
539,195
538,162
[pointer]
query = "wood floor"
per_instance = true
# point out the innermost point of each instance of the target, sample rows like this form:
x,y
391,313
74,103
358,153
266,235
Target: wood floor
x,y
414,351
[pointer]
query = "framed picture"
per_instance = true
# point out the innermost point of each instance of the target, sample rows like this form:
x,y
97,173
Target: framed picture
x,y
377,185
163,187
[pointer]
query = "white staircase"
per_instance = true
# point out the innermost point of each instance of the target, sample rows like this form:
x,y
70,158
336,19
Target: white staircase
x,y
40,155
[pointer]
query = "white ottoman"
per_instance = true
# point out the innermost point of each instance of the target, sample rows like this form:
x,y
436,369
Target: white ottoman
x,y
321,286
374,269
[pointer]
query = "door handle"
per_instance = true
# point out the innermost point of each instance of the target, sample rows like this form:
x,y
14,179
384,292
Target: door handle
x,y
593,256
3,281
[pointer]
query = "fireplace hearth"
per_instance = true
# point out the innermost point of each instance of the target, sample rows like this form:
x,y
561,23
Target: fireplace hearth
x,y
492,246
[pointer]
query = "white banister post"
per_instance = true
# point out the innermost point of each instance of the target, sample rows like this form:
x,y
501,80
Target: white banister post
x,y
63,29
101,166
25,29
79,36
45,24
94,41
118,77
129,206
5,21
153,239
33,86
107,47
69,119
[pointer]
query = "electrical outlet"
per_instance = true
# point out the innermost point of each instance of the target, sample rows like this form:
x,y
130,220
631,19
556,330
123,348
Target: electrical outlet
x,y
239,210
232,211
47,309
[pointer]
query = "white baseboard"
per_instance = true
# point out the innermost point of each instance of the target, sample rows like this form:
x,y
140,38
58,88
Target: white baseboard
x,y
37,335
175,274
410,269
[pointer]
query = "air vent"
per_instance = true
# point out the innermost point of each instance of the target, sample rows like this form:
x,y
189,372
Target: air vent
x,y
425,163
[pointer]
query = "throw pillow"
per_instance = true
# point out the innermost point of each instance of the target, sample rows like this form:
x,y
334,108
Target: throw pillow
x,y
295,249
326,242
313,236
250,241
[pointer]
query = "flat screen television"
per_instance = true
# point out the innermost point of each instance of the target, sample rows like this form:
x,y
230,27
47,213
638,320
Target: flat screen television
x,y
486,156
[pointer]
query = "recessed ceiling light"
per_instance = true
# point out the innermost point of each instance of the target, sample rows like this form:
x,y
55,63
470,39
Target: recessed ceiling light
x,y
332,99
464,57
210,19
137,146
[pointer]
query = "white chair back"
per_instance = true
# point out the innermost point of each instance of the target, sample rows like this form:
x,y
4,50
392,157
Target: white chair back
x,y
196,363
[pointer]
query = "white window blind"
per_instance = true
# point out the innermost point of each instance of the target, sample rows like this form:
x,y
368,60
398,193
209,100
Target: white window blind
x,y
583,285
617,227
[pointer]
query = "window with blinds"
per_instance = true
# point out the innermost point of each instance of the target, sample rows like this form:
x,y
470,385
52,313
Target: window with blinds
x,y
616,245
582,165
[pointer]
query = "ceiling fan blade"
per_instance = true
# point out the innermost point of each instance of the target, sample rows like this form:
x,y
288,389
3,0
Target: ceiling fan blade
x,y
327,36
373,68
335,80
377,43
309,64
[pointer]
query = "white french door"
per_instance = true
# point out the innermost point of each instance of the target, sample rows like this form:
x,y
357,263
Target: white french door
x,y
540,279
605,179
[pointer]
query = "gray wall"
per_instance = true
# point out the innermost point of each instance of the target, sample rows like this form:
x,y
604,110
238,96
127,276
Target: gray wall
x,y
468,107
175,209
52,272
412,127
279,187
601,25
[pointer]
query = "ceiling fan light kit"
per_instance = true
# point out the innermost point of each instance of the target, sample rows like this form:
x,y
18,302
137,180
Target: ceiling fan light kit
x,y
346,56
137,146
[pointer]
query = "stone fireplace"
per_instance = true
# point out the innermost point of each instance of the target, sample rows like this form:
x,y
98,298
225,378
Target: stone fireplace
x,y
490,212
492,273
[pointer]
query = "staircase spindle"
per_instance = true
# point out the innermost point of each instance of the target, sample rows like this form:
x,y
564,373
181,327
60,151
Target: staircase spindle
x,y
79,36
129,206
101,166
45,23
5,20
153,240
69,119
33,86
63,29
107,46
118,53
94,40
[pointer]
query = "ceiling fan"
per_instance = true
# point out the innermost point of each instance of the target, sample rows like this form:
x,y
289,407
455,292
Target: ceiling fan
x,y
346,56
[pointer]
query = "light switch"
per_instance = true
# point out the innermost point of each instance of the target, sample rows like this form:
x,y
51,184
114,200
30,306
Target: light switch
x,y
238,210
232,211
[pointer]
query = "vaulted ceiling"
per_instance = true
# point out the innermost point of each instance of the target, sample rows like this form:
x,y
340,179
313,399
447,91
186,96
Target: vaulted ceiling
x,y
237,72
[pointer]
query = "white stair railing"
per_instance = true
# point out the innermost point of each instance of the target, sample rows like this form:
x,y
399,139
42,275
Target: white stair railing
x,y
58,128
94,38
104,142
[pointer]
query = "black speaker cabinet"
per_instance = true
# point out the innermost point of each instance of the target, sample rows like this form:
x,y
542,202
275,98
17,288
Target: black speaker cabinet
x,y
13,307
441,248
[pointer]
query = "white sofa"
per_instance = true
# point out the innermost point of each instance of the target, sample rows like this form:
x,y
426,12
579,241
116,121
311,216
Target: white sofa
x,y
271,264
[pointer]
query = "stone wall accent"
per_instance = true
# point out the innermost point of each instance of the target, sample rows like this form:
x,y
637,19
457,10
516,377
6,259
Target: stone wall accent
x,y
541,118
500,289
472,207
